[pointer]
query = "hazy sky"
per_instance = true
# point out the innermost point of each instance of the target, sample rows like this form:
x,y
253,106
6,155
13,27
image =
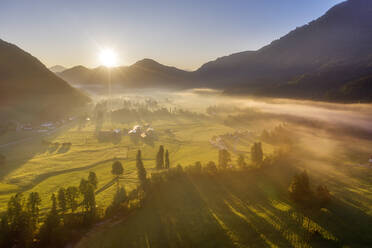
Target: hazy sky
x,y
185,33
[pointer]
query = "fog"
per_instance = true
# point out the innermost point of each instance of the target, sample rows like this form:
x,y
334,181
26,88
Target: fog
x,y
356,116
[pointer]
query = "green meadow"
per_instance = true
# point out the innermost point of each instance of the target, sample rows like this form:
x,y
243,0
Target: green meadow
x,y
32,166
248,208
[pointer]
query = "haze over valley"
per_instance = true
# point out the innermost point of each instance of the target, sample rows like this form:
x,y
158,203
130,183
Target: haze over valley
x,y
267,147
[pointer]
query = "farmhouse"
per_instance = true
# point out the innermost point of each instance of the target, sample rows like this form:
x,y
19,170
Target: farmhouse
x,y
135,130
145,132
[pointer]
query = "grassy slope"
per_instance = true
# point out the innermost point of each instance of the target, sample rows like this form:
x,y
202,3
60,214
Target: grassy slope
x,y
248,209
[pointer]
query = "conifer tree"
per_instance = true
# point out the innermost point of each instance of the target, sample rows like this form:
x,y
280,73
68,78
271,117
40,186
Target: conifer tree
x,y
92,179
72,193
61,196
119,197
117,170
160,158
167,163
257,153
299,189
33,208
89,200
48,232
20,225
141,171
83,185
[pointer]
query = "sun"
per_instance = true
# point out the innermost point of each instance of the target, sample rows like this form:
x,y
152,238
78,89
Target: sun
x,y
108,57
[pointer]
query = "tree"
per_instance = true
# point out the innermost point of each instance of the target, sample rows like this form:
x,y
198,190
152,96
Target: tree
x,y
167,163
257,153
241,161
72,193
141,171
4,232
299,189
53,212
61,196
223,158
33,208
48,232
89,201
117,204
160,158
20,228
323,195
117,169
83,185
15,206
211,167
92,179
120,197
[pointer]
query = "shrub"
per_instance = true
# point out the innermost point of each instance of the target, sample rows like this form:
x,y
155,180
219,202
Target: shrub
x,y
299,189
323,195
210,167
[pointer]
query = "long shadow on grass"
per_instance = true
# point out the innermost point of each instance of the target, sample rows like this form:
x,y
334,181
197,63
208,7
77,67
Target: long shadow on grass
x,y
230,210
240,210
174,216
350,225
251,197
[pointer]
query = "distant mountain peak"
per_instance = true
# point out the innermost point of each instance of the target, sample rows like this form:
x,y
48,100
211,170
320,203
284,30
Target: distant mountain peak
x,y
146,62
57,68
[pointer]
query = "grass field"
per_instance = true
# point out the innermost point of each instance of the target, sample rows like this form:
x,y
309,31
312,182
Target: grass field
x,y
244,209
252,209
249,209
32,166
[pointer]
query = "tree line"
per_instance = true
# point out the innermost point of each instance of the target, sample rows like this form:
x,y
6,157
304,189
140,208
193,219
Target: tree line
x,y
162,159
73,210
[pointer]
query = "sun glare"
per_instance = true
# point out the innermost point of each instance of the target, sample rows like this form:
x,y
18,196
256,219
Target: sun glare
x,y
108,57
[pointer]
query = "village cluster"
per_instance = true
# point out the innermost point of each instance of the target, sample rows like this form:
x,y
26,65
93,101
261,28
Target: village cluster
x,y
138,131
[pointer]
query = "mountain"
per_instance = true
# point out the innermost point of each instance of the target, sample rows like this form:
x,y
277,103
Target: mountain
x,y
29,90
57,68
319,60
145,73
314,61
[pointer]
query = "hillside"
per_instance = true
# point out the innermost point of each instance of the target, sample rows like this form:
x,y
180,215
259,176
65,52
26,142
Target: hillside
x,y
145,73
313,61
28,90
57,68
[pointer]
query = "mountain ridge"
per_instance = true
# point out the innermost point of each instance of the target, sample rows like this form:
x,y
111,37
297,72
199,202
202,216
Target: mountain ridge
x,y
313,61
29,89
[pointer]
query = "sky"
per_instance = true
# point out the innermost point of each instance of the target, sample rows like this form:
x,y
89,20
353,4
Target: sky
x,y
185,34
